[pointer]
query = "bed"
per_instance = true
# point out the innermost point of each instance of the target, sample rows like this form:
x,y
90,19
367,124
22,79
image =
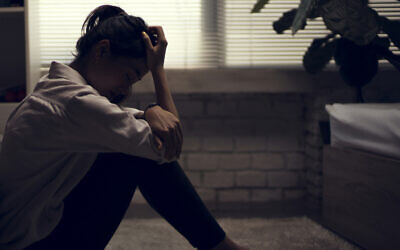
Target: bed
x,y
361,174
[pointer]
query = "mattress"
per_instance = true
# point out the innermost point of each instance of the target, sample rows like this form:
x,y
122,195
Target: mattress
x,y
372,127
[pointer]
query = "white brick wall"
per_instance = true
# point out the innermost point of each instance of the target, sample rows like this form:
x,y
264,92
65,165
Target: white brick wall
x,y
242,147
219,179
202,161
257,147
251,179
268,161
251,143
234,161
295,161
234,195
283,179
218,144
262,195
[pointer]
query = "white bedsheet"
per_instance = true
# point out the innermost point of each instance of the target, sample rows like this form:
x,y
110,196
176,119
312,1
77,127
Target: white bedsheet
x,y
369,127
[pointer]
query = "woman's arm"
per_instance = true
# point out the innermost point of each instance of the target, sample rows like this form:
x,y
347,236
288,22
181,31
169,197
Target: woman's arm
x,y
164,97
162,119
155,62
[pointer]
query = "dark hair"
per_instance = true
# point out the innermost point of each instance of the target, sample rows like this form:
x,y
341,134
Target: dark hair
x,y
122,30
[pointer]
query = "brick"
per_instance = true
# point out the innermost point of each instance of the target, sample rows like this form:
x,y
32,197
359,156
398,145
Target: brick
x,y
312,127
206,126
233,195
314,153
218,144
313,115
221,108
294,194
314,191
187,127
314,177
234,161
194,177
256,108
191,143
313,204
202,161
295,161
189,108
251,179
219,179
283,179
264,195
207,194
289,97
267,161
278,126
302,179
314,140
285,108
250,143
239,126
315,165
283,142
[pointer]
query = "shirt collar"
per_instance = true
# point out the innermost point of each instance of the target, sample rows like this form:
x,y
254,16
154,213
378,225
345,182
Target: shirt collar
x,y
60,70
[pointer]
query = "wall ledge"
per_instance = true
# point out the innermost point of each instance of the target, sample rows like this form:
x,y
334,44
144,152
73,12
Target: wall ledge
x,y
291,79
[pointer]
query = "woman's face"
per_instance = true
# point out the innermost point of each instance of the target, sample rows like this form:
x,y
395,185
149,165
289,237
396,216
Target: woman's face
x,y
113,76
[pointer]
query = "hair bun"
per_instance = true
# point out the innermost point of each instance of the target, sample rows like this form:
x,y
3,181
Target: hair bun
x,y
100,14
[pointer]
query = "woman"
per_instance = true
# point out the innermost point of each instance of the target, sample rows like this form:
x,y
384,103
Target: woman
x,y
57,191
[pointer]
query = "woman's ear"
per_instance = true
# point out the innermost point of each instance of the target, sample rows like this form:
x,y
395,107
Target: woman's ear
x,y
102,49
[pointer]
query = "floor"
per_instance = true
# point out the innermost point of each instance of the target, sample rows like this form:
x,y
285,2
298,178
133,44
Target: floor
x,y
143,229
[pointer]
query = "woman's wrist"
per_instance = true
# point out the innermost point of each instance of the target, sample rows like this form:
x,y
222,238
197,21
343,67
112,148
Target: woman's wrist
x,y
157,70
151,105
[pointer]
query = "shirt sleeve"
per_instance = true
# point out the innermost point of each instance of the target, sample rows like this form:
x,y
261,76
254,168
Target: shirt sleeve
x,y
97,125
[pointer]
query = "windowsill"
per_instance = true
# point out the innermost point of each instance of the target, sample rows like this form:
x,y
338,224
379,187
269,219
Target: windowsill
x,y
250,80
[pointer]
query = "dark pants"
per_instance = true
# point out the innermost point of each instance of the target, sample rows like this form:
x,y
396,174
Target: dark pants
x,y
95,208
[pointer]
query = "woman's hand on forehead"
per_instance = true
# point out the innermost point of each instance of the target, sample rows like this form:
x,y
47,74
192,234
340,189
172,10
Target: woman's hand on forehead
x,y
155,55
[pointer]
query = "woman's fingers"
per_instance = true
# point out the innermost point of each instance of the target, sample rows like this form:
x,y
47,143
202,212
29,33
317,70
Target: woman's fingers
x,y
158,142
160,34
173,141
147,41
168,128
170,152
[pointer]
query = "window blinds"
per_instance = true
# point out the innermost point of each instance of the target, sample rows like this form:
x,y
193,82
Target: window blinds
x,y
251,41
61,22
200,33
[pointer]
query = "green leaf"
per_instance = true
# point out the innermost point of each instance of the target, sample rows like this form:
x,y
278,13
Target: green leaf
x,y
285,21
301,15
319,54
259,5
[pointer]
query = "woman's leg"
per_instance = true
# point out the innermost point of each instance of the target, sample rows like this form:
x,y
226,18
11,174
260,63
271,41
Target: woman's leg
x,y
168,190
95,207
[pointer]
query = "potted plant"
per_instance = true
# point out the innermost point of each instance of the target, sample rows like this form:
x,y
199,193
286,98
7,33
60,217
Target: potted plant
x,y
353,42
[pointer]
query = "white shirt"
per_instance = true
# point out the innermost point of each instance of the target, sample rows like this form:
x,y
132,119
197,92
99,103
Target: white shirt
x,y
50,141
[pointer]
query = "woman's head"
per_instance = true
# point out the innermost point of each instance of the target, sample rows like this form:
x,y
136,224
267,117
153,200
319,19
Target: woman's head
x,y
111,52
122,30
